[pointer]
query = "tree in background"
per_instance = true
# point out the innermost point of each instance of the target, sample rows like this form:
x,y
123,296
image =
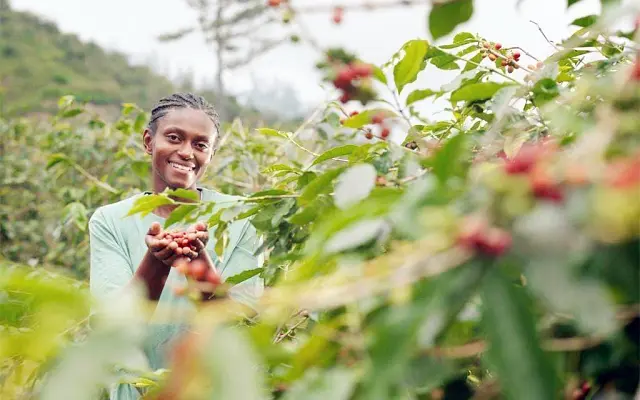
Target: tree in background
x,y
237,32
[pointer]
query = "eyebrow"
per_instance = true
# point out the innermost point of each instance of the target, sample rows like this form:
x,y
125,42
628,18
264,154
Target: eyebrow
x,y
183,132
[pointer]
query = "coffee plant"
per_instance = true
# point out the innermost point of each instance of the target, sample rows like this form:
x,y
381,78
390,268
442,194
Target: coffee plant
x,y
493,253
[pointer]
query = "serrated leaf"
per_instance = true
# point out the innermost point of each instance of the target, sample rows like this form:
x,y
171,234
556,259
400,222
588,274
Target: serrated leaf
x,y
419,94
477,91
319,185
514,350
408,68
444,18
243,276
179,214
146,204
335,152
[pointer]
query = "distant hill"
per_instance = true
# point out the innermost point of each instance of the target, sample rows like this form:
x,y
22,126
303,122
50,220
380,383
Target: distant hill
x,y
38,64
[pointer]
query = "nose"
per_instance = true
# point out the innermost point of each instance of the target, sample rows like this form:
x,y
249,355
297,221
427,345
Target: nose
x,y
185,151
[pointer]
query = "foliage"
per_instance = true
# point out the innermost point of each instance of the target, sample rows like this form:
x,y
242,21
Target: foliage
x,y
493,253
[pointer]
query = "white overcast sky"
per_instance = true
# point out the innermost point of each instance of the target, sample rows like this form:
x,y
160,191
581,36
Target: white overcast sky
x,y
132,27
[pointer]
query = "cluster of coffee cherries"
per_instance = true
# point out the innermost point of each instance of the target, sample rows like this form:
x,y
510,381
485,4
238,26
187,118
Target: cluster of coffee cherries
x,y
183,243
528,161
275,3
477,235
349,75
510,60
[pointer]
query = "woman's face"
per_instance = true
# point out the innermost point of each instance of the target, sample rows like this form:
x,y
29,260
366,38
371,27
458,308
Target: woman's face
x,y
181,148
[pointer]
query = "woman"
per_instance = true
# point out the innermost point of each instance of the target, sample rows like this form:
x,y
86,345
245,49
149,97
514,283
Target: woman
x,y
181,138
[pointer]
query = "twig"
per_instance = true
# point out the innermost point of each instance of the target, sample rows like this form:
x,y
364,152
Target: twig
x,y
545,36
481,66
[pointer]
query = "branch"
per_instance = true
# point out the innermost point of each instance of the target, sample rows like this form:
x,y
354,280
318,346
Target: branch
x,y
545,36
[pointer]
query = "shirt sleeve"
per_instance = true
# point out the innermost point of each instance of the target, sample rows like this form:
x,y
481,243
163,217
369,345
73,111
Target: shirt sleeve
x,y
242,259
110,269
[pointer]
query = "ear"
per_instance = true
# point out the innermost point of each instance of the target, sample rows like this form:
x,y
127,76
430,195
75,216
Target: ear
x,y
147,140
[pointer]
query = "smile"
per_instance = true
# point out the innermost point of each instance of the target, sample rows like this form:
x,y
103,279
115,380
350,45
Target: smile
x,y
181,167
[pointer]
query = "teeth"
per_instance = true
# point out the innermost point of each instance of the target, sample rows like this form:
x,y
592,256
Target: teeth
x,y
180,167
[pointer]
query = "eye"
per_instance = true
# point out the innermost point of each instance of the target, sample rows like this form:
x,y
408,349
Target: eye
x,y
202,146
173,137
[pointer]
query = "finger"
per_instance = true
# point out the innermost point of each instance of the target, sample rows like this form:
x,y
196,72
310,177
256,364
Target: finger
x,y
199,245
156,245
204,236
201,226
167,251
155,229
192,237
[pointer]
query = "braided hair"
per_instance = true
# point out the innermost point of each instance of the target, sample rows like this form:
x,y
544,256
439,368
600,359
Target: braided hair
x,y
184,100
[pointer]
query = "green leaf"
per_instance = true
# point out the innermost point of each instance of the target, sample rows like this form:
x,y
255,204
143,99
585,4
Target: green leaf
x,y
72,113
65,101
141,169
232,365
419,94
463,37
243,276
319,185
514,350
364,118
273,132
179,214
444,18
572,2
355,235
449,160
336,383
477,91
140,122
184,194
408,68
378,74
145,204
544,91
477,59
586,21
279,167
335,152
55,159
354,185
444,61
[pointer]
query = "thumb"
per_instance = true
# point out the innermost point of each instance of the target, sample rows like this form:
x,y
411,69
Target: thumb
x,y
155,229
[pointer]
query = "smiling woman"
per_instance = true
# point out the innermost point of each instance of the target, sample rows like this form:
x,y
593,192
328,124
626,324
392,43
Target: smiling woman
x,y
181,138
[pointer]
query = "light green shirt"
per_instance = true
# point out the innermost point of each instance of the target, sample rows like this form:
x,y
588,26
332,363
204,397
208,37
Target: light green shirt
x,y
117,247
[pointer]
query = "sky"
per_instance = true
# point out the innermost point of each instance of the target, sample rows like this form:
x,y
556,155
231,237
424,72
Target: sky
x,y
132,27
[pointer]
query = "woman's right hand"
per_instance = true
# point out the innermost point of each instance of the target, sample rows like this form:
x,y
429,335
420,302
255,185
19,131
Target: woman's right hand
x,y
166,249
